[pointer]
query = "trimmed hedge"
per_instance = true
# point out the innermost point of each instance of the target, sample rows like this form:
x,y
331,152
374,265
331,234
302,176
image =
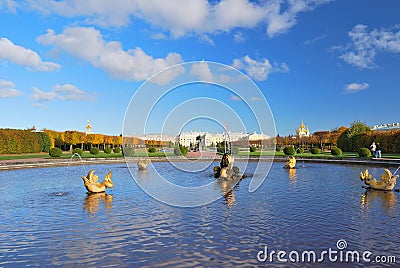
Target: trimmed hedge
x,y
152,150
300,150
117,150
107,150
336,151
77,151
55,152
289,150
16,141
364,152
94,150
278,149
315,151
253,149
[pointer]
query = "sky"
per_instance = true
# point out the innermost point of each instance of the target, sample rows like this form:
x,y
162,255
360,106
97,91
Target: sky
x,y
327,62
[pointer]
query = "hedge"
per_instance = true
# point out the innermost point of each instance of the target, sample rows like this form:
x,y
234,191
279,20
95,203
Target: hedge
x,y
315,151
364,152
16,141
336,151
77,151
94,150
55,152
289,150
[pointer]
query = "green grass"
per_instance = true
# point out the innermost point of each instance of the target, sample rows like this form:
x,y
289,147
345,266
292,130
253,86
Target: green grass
x,y
23,156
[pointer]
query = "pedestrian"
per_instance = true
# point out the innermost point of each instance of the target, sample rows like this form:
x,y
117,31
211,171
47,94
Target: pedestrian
x,y
373,149
378,150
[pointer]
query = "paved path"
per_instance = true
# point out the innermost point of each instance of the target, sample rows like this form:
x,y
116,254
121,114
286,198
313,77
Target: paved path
x,y
53,162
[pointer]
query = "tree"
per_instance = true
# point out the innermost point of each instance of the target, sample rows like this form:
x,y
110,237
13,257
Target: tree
x,y
322,137
348,140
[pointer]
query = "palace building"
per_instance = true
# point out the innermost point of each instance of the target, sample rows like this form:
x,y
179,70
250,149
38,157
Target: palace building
x,y
303,131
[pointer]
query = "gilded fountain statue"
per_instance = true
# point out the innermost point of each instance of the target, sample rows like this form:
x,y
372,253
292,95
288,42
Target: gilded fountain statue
x,y
92,184
226,168
142,163
290,163
387,182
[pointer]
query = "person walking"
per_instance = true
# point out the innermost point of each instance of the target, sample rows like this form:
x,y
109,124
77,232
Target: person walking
x,y
373,149
378,150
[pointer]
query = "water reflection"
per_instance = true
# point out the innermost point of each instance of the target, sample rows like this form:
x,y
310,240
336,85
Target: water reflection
x,y
292,173
387,199
228,191
93,201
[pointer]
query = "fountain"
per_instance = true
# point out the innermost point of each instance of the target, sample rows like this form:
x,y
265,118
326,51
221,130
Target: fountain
x,y
290,163
142,163
387,183
93,186
226,168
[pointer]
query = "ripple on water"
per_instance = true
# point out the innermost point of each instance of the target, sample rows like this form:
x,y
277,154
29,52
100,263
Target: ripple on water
x,y
54,223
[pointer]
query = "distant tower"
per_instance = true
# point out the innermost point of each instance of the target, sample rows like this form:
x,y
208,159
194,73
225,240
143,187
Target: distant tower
x,y
302,131
88,128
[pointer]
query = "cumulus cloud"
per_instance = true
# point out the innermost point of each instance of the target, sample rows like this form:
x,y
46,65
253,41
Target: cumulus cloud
x,y
8,5
7,89
355,87
61,92
258,70
25,57
180,18
364,45
203,72
88,44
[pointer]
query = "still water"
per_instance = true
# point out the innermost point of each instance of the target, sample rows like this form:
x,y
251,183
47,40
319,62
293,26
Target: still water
x,y
47,219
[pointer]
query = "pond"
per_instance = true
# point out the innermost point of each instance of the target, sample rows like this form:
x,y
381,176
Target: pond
x,y
47,219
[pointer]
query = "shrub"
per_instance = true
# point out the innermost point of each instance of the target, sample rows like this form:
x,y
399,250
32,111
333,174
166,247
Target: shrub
x,y
94,150
55,152
117,150
253,149
77,151
364,152
128,151
235,150
315,151
300,150
152,150
278,149
336,151
107,150
180,150
289,150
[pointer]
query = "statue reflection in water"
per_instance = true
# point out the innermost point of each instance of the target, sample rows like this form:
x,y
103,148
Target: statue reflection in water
x,y
388,199
94,200
227,189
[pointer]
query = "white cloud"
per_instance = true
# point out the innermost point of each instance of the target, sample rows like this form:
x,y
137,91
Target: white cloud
x,y
89,45
258,70
25,57
39,95
61,92
364,45
235,98
204,73
7,89
238,37
315,40
181,18
9,5
355,87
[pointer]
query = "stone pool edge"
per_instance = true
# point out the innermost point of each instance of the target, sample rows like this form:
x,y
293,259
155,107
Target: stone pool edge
x,y
45,162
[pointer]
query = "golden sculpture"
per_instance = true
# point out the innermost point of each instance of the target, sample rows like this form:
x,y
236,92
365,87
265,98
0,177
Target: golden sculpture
x,y
93,186
226,168
142,163
290,163
387,183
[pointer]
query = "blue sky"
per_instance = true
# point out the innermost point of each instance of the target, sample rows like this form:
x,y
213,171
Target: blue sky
x,y
325,62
